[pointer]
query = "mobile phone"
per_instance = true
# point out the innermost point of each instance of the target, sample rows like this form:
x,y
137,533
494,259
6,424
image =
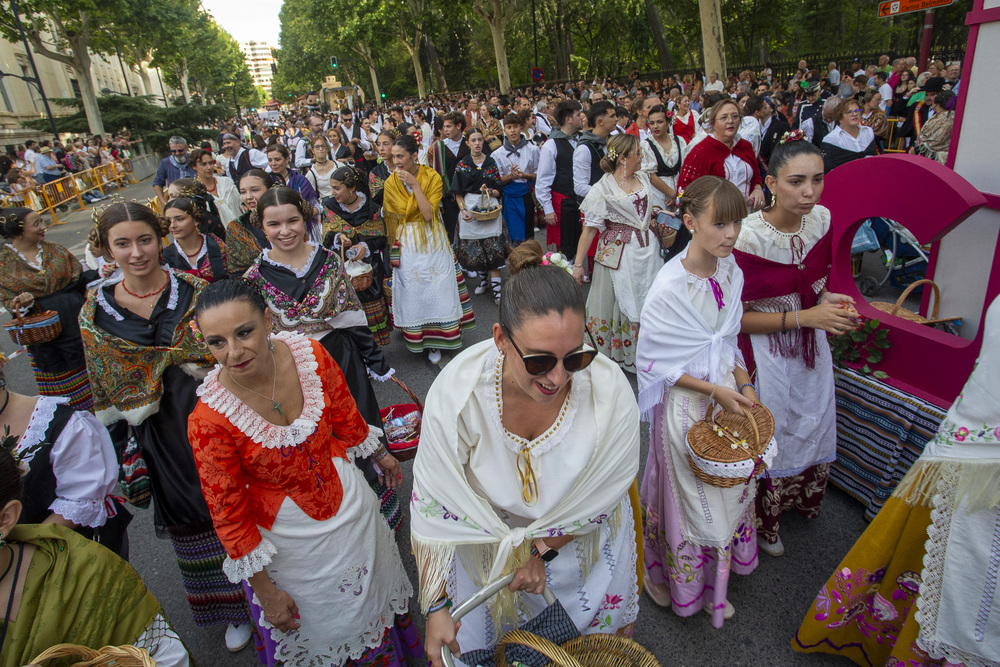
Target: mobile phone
x,y
669,220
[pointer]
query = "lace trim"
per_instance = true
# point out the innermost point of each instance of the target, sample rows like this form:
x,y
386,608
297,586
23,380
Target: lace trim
x,y
253,425
723,268
300,273
37,265
201,253
293,649
90,513
244,567
554,435
381,378
781,239
366,447
41,415
118,277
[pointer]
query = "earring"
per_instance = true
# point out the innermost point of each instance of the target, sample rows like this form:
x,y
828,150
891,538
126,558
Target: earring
x,y
270,344
3,541
774,200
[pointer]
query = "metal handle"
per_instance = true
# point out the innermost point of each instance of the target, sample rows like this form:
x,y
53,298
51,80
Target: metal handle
x,y
481,596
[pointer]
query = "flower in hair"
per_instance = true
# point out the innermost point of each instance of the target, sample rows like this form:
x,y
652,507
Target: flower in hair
x,y
679,196
613,154
195,331
557,259
793,135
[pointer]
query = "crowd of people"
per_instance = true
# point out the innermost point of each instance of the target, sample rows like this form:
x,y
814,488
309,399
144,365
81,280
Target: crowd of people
x,y
229,333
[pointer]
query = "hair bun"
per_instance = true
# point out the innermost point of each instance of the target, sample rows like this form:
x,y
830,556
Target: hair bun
x,y
526,255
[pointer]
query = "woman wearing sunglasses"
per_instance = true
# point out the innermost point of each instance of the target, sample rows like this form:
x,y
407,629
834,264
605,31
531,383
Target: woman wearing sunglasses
x,y
546,431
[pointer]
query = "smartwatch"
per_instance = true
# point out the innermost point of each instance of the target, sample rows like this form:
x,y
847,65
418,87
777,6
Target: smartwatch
x,y
546,554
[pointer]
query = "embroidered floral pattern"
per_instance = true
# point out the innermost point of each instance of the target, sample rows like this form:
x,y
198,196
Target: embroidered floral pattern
x,y
853,598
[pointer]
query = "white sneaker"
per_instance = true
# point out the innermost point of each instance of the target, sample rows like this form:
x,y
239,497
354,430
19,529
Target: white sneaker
x,y
238,636
773,550
434,356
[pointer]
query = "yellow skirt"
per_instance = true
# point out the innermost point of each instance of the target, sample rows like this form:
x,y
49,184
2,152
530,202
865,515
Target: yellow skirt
x,y
867,610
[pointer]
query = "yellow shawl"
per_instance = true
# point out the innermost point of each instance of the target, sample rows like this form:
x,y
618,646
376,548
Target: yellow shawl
x,y
400,208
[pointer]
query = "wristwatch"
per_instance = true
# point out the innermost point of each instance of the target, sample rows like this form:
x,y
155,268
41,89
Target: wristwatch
x,y
540,550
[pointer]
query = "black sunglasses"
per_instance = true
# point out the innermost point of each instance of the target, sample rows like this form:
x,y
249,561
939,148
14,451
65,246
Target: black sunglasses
x,y
540,364
178,151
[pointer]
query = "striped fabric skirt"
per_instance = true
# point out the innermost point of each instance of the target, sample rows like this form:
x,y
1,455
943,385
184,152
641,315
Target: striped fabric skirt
x,y
72,384
444,335
213,598
377,314
389,506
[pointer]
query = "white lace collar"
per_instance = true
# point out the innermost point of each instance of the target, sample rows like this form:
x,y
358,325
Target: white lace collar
x,y
723,267
253,425
360,202
37,264
38,423
300,273
201,253
492,391
118,277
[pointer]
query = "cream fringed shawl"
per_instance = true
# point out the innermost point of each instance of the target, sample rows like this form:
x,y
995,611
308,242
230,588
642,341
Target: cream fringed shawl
x,y
448,517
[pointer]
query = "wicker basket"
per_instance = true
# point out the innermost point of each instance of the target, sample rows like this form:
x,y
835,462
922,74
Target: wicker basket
x,y
361,276
898,310
730,443
119,656
34,329
485,216
404,450
597,650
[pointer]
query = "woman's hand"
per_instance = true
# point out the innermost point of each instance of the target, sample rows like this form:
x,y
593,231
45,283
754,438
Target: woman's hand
x,y
578,274
530,577
280,610
108,269
360,252
407,177
466,214
24,299
751,393
830,317
757,198
392,472
731,400
345,242
441,631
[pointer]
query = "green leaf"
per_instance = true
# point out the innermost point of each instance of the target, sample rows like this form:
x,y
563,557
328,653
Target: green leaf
x,y
858,336
882,344
866,369
874,357
881,375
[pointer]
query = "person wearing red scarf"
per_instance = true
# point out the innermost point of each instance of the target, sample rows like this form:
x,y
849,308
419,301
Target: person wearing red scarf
x,y
725,155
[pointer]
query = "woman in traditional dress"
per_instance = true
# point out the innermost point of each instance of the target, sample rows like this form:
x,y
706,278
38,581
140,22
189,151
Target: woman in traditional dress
x,y
480,246
431,307
68,464
300,526
321,168
686,121
64,588
222,188
696,534
724,154
364,231
873,116
246,240
529,446
850,140
934,138
309,294
278,159
785,254
192,188
35,273
490,127
144,366
919,586
201,255
617,209
339,153
378,175
662,159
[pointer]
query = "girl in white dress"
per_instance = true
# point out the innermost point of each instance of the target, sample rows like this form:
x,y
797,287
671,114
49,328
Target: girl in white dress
x,y
628,256
696,534
785,253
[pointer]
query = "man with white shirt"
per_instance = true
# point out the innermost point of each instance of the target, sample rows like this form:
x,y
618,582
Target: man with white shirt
x,y
443,156
714,85
833,77
750,127
241,160
29,156
554,182
517,160
591,147
884,89
301,153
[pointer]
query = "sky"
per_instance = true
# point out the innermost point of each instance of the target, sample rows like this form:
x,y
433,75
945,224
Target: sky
x,y
247,20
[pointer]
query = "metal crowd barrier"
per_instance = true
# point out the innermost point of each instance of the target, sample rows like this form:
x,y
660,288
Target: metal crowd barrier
x,y
62,191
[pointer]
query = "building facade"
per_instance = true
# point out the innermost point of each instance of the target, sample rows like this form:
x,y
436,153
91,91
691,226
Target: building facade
x,y
260,61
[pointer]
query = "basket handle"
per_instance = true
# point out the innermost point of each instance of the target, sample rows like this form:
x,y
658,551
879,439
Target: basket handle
x,y
420,405
484,201
912,286
557,654
753,425
107,655
481,596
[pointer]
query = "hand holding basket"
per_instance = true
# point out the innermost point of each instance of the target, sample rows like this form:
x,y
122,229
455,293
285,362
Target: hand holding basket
x,y
727,449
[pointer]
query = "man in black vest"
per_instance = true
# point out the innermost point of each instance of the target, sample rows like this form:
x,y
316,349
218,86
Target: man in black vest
x,y
772,127
443,156
241,160
554,182
817,127
590,148
350,136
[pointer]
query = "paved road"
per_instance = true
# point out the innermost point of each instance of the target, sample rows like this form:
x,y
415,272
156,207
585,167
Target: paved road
x,y
770,603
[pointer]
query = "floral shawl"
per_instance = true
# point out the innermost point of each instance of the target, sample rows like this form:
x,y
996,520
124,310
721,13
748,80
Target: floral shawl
x,y
59,268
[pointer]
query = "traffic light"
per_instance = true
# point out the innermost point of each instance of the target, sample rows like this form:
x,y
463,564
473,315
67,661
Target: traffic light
x,y
383,96
333,62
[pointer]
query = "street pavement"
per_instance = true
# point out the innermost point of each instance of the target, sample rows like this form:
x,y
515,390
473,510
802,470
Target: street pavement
x,y
770,603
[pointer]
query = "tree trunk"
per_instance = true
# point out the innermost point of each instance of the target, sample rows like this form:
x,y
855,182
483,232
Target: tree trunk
x,y
499,47
182,75
147,84
662,48
418,70
435,61
81,65
375,87
712,39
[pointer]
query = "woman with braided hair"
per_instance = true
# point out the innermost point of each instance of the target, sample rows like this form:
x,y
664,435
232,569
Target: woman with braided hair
x,y
145,365
37,275
246,240
383,170
195,190
194,252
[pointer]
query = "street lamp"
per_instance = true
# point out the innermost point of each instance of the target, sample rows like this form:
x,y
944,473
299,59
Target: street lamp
x,y
31,61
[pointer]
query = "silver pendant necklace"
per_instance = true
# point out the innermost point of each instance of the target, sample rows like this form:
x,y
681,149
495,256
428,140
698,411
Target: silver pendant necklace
x,y
275,405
